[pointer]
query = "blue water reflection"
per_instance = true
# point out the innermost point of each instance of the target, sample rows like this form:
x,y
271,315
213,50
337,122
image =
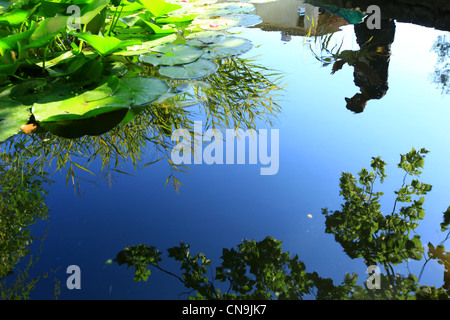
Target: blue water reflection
x,y
218,205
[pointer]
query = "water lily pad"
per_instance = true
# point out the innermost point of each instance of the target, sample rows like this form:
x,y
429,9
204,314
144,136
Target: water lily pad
x,y
195,70
172,54
224,8
205,38
145,90
245,20
260,1
146,46
228,21
13,115
92,126
112,94
229,47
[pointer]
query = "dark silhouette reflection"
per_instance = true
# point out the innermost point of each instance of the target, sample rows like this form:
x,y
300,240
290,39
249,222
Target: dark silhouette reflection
x,y
371,65
371,62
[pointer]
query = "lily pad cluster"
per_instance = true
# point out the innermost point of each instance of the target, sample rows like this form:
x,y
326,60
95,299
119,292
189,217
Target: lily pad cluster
x,y
77,67
195,58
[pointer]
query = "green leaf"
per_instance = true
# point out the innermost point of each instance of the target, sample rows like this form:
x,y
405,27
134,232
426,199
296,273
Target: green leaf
x,y
180,19
107,96
13,115
159,8
145,90
195,70
105,45
231,46
157,29
224,8
170,54
205,38
46,31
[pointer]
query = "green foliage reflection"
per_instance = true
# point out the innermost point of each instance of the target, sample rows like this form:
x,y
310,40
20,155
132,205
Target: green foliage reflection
x,y
22,203
262,270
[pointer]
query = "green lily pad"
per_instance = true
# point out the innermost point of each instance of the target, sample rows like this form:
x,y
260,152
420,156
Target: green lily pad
x,y
146,46
172,54
228,21
205,38
195,70
145,90
224,8
104,98
13,115
105,45
93,126
220,23
245,20
112,94
231,46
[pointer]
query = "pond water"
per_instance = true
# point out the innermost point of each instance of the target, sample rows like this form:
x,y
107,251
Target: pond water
x,y
219,205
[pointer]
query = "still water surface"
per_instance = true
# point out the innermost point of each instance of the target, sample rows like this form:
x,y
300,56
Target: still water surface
x,y
219,205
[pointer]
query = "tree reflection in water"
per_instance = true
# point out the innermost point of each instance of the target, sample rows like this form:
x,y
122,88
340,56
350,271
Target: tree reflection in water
x,y
262,270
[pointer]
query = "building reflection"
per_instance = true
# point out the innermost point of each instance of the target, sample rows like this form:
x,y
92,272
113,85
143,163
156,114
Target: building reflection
x,y
297,18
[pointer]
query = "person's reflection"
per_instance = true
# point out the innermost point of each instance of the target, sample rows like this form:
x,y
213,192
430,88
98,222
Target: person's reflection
x,y
370,63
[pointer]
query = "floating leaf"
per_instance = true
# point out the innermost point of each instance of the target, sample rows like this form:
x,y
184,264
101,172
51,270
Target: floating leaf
x,y
223,8
229,47
171,54
13,115
205,38
145,90
221,23
228,21
195,70
244,20
92,126
104,98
